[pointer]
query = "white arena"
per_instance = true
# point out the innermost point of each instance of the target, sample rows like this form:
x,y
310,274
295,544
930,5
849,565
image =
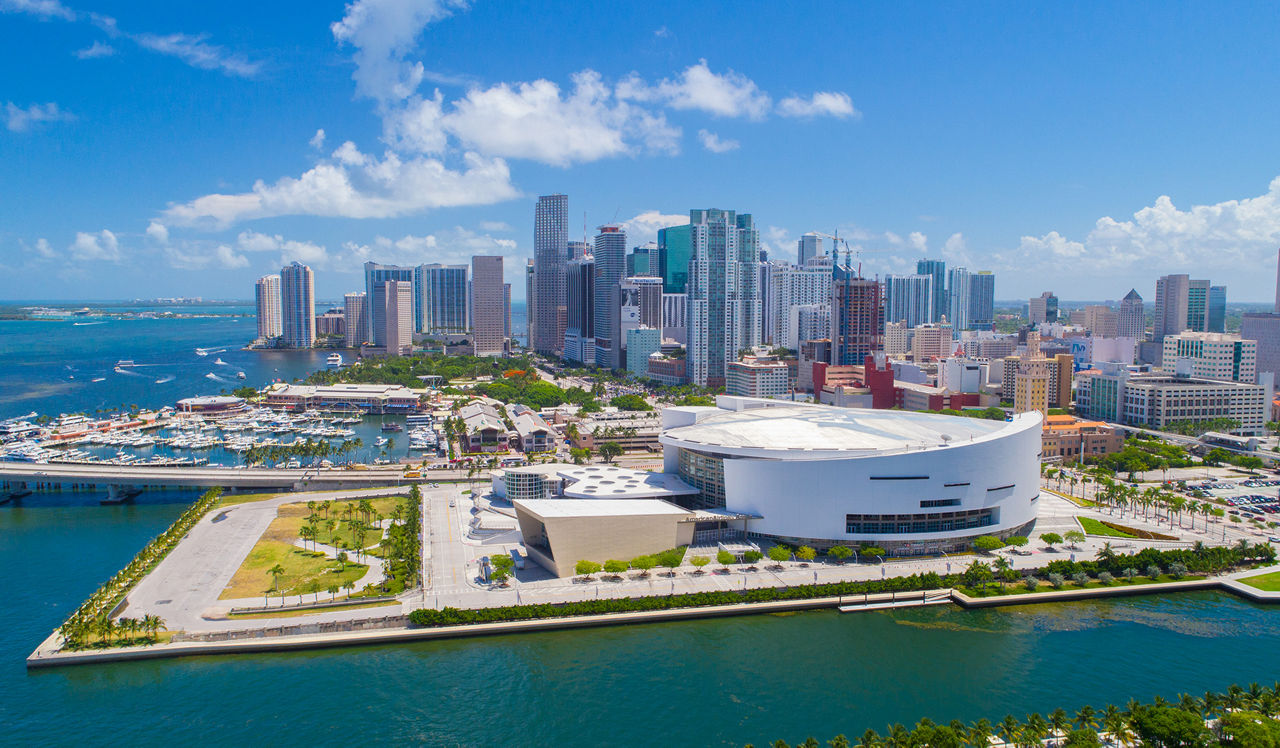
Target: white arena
x,y
911,483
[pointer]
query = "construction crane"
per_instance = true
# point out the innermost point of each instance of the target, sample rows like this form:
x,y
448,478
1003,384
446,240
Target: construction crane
x,y
850,251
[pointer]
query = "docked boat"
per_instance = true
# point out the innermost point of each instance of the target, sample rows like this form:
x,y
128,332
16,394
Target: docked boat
x,y
392,427
335,359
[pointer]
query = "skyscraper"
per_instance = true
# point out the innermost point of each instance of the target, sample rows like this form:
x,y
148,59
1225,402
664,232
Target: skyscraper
x,y
550,248
611,266
266,292
1043,308
506,310
959,297
856,318
908,298
298,306
937,270
374,276
724,293
675,249
530,295
809,247
487,320
578,250
788,286
397,317
1198,305
1264,327
982,300
1171,306
580,331
441,304
353,318
1217,309
643,260
1132,323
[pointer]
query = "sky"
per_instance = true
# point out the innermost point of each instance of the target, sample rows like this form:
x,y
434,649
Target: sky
x,y
161,149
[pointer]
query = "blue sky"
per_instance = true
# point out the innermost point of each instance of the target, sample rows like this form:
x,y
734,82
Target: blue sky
x,y
1079,149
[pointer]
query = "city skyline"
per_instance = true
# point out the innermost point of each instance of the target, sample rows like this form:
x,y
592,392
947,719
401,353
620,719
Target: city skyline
x,y
288,165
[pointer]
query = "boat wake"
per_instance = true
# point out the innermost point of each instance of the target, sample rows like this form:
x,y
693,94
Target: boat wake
x,y
217,378
126,372
86,324
165,380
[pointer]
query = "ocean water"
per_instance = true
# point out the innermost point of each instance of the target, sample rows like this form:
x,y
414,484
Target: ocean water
x,y
717,682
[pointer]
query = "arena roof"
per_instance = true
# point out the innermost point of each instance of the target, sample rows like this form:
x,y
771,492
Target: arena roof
x,y
598,508
789,429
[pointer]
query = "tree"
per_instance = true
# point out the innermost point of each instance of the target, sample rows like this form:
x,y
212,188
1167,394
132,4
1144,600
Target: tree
x,y
699,562
1074,537
806,554
630,402
644,564
1166,727
580,455
779,553
1051,539
977,573
840,553
872,551
724,558
1248,728
752,556
1081,739
671,559
276,572
987,543
609,450
614,566
1017,541
586,568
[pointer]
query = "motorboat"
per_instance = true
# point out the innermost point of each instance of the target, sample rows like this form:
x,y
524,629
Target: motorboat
x,y
335,359
380,441
240,375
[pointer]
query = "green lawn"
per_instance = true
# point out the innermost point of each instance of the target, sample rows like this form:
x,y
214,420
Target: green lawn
x,y
1265,582
1018,588
303,571
1094,527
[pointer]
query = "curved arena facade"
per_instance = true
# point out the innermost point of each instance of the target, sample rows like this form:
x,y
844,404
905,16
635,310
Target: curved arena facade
x,y
912,483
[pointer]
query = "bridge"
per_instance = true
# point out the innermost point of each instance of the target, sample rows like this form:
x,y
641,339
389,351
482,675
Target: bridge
x,y
21,476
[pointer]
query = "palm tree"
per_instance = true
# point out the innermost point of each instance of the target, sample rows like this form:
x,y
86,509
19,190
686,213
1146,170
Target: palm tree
x,y
1114,722
979,732
276,572
1060,722
153,623
1086,718
1036,730
1008,728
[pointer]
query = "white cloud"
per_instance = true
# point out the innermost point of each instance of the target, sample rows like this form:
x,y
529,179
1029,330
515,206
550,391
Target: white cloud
x,y
495,226
455,246
220,257
42,9
18,119
725,95
290,250
383,32
828,103
417,126
780,244
644,227
713,143
358,186
918,241
43,249
317,140
198,53
95,50
158,232
100,246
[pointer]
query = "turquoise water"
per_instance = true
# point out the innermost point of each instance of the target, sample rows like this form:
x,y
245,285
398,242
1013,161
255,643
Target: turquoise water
x,y
723,682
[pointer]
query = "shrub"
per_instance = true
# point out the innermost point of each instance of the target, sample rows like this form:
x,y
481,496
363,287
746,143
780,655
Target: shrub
x,y
725,558
1057,580
752,556
1080,579
1031,583
1105,577
1177,570
1153,571
614,566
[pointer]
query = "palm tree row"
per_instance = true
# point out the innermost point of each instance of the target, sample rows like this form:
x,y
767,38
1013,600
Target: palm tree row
x,y
1231,718
120,632
1152,502
310,449
99,605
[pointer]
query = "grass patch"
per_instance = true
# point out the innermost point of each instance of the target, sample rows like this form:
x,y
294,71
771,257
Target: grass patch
x,y
341,535
1265,582
1073,499
355,605
304,571
1018,588
1094,527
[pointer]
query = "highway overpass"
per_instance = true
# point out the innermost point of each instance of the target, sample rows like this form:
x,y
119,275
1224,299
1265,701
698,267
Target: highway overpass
x,y
34,475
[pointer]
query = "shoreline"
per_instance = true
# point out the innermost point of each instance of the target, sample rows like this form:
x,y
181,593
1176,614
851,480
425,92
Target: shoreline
x,y
46,656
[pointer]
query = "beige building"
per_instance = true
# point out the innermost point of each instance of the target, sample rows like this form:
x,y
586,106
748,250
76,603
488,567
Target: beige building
x,y
1102,321
488,294
1031,387
558,533
931,341
897,339
398,318
1210,355
1058,370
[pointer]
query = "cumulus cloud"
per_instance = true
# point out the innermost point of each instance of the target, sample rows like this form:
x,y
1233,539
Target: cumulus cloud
x,y
43,250
158,232
918,241
220,257
95,50
22,119
355,185
317,140
713,143
42,9
383,33
822,103
100,246
455,246
495,226
196,51
728,94
644,227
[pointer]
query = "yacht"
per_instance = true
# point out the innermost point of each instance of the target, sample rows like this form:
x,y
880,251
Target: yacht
x,y
335,359
381,440
240,375
392,427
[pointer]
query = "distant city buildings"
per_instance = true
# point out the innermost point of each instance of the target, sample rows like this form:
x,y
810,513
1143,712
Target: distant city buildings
x,y
487,295
857,323
397,316
354,320
610,254
724,293
375,278
1210,355
550,255
441,303
1132,320
297,306
266,293
909,299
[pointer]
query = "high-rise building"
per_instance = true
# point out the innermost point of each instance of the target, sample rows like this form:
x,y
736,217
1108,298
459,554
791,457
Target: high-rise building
x,y
808,248
1171,306
578,250
1217,308
550,247
959,298
441,303
266,292
1101,321
1132,322
353,317
675,317
1031,387
297,306
1043,308
397,317
1198,305
375,275
579,332
611,264
506,309
675,249
937,272
982,301
908,298
642,342
897,339
643,260
530,296
932,340
644,295
856,316
724,292
786,287
487,322
1210,355
808,322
